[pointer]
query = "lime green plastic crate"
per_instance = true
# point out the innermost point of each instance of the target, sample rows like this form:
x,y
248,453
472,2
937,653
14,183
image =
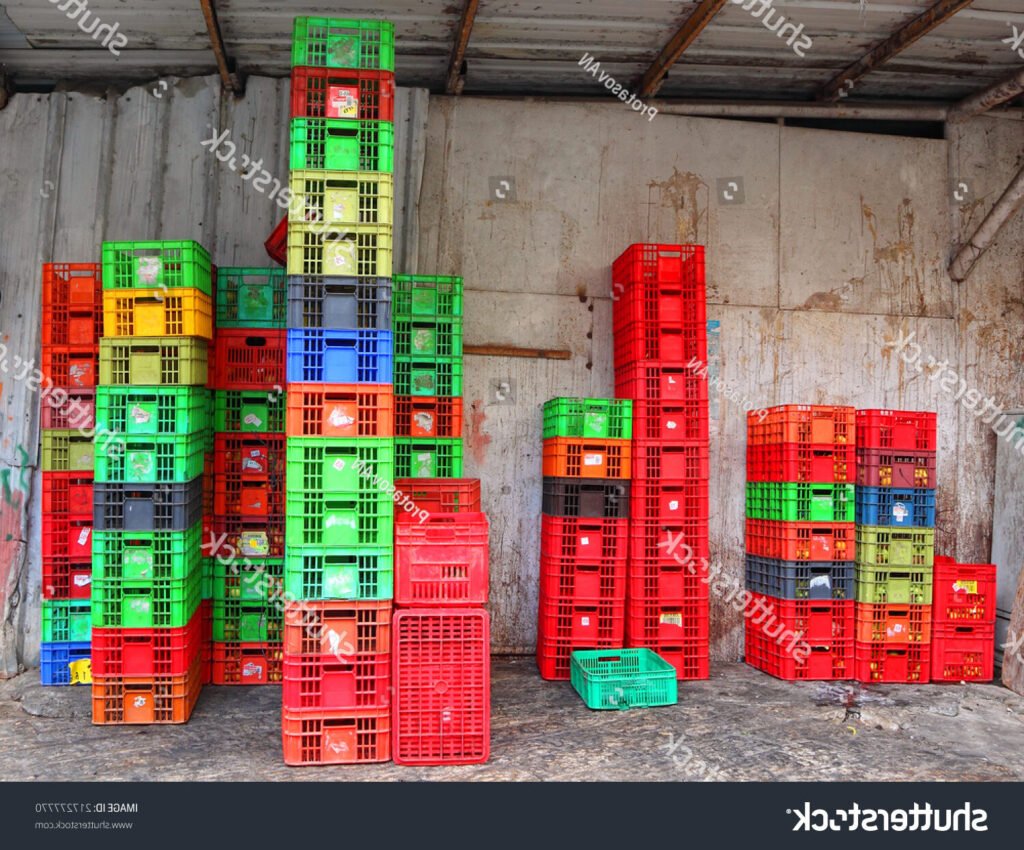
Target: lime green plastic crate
x,y
438,458
596,418
66,620
342,198
140,556
893,585
787,502
911,548
340,519
343,43
334,144
164,604
339,573
426,295
249,411
361,465
156,265
623,678
256,582
251,297
154,361
67,450
426,376
153,411
363,250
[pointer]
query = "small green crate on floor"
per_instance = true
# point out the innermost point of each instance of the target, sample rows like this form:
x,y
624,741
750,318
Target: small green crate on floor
x,y
909,548
359,465
139,556
335,144
623,678
152,460
67,450
315,518
153,411
251,297
426,376
415,296
239,620
336,573
66,620
118,604
594,418
893,585
801,502
416,458
156,265
427,337
252,582
154,361
249,411
343,43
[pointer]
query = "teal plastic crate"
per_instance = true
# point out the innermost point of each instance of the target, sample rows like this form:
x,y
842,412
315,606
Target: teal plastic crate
x,y
343,43
153,411
156,265
623,678
249,411
335,144
594,418
66,620
251,297
339,573
416,296
152,460
424,458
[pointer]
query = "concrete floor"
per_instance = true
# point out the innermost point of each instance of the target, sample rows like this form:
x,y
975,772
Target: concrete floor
x,y
740,725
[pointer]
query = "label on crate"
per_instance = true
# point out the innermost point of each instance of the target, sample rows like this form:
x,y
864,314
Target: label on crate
x,y
140,415
253,420
593,459
895,630
584,541
899,512
339,464
82,580
255,543
673,504
820,581
253,670
342,102
672,618
671,424
961,586
584,621
81,671
149,269
340,419
83,536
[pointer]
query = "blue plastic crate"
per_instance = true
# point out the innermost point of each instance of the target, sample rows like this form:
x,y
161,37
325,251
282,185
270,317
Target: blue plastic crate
x,y
54,659
317,355
893,507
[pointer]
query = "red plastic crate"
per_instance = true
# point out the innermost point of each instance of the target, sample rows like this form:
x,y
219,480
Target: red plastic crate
x,y
670,500
131,700
277,243
442,561
66,555
341,410
816,424
341,93
669,383
963,594
899,430
893,623
206,615
692,660
663,581
650,622
567,581
362,736
583,539
673,421
71,408
442,684
246,663
648,265
564,625
248,359
424,416
148,652
641,295
570,457
684,543
802,463
72,305
680,342
963,653
253,457
815,621
906,664
66,579
887,468
828,662
251,537
68,493
439,495
337,627
801,541
71,366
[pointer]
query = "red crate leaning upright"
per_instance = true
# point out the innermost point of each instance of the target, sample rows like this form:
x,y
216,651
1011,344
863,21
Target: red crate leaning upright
x,y
660,326
963,621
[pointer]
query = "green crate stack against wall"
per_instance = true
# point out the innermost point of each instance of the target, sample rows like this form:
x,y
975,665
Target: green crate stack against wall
x,y
154,431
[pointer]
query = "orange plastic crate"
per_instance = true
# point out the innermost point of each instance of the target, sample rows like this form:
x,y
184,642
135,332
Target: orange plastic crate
x,y
247,663
569,457
340,410
817,424
336,737
893,623
124,701
156,313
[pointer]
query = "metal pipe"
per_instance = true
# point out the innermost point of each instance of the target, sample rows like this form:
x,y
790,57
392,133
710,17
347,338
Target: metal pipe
x,y
229,78
1005,208
759,109
986,99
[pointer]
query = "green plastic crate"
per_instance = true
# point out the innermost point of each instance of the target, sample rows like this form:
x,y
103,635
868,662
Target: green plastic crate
x,y
251,582
152,460
252,297
439,458
339,573
334,144
67,451
623,678
207,585
154,361
249,411
118,604
361,465
788,502
343,43
893,585
427,337
426,295
140,556
156,265
66,620
909,548
594,418
439,376
238,618
153,411
340,519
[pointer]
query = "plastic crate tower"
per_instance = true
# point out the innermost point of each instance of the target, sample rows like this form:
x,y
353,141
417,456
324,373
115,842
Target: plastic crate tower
x,y
895,578
660,328
800,541
154,425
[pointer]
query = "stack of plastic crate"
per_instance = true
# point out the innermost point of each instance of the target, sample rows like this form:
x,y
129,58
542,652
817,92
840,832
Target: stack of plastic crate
x,y
896,453
659,316
153,418
801,465
246,558
584,532
72,323
963,621
427,324
339,552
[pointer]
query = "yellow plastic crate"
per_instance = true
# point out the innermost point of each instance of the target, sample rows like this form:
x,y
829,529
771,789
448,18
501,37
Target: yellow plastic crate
x,y
343,198
157,312
360,251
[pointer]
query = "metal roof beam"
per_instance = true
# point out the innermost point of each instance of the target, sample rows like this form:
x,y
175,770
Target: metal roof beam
x,y
694,25
229,76
983,101
456,66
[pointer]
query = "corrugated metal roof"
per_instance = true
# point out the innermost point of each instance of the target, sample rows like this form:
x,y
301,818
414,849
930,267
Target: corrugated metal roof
x,y
523,46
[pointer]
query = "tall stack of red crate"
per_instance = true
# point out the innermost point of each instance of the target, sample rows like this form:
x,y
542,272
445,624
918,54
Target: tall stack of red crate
x,y
660,327
963,621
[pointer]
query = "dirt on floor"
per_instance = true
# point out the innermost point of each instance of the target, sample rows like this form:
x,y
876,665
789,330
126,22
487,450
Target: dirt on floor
x,y
739,725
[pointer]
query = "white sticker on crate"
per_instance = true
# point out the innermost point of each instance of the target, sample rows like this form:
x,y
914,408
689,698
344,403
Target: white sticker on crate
x,y
149,269
900,512
83,536
584,541
673,505
140,415
584,621
83,580
592,459
340,419
820,581
672,618
253,419
671,425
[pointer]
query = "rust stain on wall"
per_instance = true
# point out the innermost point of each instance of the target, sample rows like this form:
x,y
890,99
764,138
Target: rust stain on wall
x,y
896,259
476,440
680,193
